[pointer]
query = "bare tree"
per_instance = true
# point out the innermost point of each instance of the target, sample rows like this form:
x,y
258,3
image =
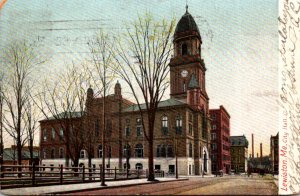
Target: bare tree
x,y
142,58
31,117
102,75
64,102
21,61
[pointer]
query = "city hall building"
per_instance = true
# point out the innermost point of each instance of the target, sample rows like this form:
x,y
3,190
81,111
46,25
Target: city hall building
x,y
182,121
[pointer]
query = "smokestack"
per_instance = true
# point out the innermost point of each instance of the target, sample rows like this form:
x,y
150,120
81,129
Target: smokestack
x,y
252,145
260,150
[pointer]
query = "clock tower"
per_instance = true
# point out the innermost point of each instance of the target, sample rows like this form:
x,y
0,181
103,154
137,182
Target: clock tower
x,y
187,68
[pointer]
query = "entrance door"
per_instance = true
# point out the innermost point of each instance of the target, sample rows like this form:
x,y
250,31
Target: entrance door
x,y
205,162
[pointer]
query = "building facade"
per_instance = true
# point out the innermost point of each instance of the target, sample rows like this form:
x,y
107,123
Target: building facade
x,y
239,153
182,124
220,144
274,153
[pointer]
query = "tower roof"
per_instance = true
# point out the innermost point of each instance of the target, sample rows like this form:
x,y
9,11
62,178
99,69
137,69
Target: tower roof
x,y
186,23
193,82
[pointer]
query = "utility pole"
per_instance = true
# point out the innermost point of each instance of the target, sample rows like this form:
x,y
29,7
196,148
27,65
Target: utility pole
x,y
176,158
1,125
103,132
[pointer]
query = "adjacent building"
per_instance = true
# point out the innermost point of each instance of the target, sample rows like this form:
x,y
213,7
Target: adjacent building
x,y
10,155
274,153
239,153
220,144
182,124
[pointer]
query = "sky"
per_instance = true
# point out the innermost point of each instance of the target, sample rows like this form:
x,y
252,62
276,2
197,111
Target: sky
x,y
240,47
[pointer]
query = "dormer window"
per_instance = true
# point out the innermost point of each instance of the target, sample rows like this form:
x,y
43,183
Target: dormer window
x,y
184,49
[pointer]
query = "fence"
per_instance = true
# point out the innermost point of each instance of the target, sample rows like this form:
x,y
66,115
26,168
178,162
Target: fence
x,y
13,176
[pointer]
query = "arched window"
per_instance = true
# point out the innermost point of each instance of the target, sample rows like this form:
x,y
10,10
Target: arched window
x,y
139,151
53,134
45,153
61,153
52,153
126,151
61,134
178,124
190,149
184,50
164,125
100,151
82,154
138,166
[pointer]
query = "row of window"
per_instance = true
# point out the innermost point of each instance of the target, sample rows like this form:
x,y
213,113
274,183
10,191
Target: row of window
x,y
53,134
164,126
61,153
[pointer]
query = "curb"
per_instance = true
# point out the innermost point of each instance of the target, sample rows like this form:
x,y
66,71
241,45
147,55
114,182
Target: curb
x,y
112,187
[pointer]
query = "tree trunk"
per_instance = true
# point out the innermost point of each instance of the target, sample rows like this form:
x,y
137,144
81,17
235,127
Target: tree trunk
x,y
151,176
19,153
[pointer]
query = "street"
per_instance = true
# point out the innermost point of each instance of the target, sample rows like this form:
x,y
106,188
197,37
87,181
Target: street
x,y
227,185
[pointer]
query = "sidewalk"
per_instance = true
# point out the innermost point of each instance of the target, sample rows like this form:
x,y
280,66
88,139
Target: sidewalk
x,y
79,187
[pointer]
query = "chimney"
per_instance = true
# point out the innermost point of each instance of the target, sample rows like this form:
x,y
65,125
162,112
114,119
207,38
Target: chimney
x,y
252,145
260,150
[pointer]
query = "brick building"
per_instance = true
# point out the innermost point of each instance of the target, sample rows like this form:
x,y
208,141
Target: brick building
x,y
239,153
274,153
183,119
220,144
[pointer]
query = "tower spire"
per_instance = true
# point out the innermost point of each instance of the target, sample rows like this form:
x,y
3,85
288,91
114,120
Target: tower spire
x,y
186,6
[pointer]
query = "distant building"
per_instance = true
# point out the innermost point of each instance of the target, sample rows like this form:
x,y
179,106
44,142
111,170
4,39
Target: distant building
x,y
274,152
220,144
10,155
239,153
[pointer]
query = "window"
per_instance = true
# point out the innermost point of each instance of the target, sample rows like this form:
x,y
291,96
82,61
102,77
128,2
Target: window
x,y
164,125
139,151
190,129
214,127
170,152
178,125
109,151
45,134
127,130
61,153
126,151
184,49
214,116
139,130
108,127
82,154
213,136
190,149
52,153
184,86
138,166
97,128
61,134
53,134
214,146
213,157
45,153
100,151
125,166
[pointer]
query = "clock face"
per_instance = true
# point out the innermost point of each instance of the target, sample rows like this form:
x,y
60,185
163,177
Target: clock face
x,y
184,73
